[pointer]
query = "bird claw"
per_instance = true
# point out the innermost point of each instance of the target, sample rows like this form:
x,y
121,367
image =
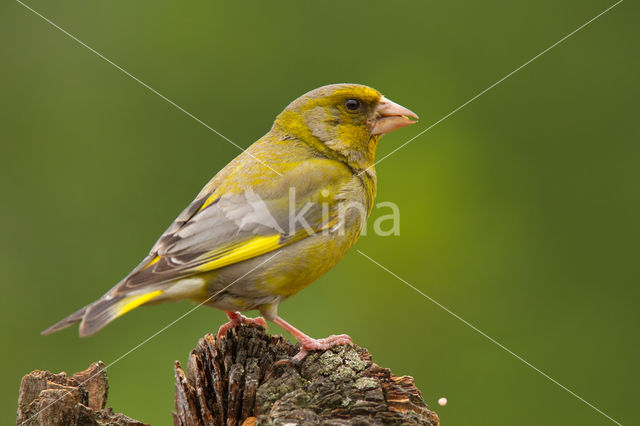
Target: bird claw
x,y
321,345
236,319
284,361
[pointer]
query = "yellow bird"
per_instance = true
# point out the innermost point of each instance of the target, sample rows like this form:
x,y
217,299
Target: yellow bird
x,y
272,221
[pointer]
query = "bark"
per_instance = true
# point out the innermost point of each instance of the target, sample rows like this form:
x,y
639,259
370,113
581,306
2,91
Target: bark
x,y
238,381
49,399
245,379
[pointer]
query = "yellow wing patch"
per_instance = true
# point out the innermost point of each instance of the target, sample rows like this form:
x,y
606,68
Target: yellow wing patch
x,y
252,248
131,302
154,261
208,202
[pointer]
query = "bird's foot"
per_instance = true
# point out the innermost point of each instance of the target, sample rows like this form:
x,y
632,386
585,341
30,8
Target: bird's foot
x,y
236,318
321,345
308,343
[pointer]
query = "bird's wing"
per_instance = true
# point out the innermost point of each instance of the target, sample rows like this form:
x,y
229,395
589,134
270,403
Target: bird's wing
x,y
222,227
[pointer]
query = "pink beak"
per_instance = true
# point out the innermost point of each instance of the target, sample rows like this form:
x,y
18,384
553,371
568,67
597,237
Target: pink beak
x,y
390,116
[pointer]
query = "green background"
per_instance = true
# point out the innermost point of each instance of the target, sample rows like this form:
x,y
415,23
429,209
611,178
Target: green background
x,y
519,212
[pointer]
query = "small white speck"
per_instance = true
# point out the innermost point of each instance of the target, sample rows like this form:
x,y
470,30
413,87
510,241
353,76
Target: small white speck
x,y
442,401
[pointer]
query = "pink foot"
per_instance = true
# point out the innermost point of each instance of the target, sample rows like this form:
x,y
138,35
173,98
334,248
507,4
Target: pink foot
x,y
236,318
321,345
308,343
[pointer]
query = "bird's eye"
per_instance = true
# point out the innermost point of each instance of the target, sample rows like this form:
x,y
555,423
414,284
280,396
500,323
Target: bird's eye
x,y
352,104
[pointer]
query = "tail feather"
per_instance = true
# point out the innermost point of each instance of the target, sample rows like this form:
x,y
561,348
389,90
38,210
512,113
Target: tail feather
x,y
70,320
107,309
94,317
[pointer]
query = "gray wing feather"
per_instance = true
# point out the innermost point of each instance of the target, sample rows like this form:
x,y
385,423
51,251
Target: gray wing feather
x,y
188,242
229,221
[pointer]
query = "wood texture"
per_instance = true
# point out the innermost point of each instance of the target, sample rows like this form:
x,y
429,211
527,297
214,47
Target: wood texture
x,y
238,381
48,399
245,379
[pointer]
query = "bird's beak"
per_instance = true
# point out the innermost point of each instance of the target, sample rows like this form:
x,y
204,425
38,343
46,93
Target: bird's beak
x,y
389,116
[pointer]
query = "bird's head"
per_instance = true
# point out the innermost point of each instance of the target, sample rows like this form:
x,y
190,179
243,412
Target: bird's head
x,y
345,119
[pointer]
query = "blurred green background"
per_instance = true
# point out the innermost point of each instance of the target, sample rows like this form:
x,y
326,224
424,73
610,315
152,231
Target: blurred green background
x,y
519,212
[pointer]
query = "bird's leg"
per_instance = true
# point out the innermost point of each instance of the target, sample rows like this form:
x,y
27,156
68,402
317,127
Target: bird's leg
x,y
236,318
309,343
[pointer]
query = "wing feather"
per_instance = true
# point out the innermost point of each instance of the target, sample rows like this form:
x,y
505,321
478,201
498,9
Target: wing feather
x,y
221,228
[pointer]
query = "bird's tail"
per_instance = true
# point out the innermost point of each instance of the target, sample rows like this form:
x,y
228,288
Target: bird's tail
x,y
70,320
95,316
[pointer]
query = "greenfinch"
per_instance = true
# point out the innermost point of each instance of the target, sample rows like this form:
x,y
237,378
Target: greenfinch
x,y
272,221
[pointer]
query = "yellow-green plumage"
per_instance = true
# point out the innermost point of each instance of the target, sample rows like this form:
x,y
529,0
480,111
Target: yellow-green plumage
x,y
235,247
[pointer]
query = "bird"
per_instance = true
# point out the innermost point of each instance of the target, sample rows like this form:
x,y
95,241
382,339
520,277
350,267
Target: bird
x,y
272,221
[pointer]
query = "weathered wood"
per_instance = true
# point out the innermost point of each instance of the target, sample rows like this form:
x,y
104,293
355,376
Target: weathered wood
x,y
239,381
245,379
48,399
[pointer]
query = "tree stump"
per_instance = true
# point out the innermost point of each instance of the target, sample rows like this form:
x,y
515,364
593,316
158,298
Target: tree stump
x,y
239,381
245,379
48,399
